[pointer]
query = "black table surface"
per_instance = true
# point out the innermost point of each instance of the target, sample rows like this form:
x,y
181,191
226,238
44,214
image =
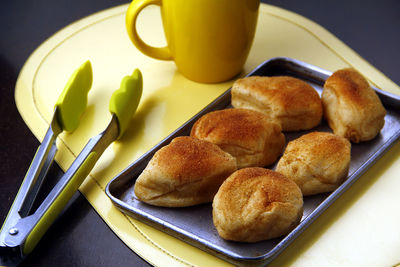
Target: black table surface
x,y
79,237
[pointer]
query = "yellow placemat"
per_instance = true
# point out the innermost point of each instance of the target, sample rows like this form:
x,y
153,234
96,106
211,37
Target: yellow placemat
x,y
361,228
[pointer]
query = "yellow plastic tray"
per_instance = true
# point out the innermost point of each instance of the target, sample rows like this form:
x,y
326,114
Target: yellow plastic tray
x,y
359,229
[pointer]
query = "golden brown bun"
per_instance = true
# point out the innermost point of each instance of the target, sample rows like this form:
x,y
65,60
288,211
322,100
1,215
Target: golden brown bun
x,y
318,162
351,106
186,172
256,204
290,102
245,134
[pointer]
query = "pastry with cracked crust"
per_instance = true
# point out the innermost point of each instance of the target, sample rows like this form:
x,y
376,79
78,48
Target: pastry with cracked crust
x,y
317,162
351,107
246,134
255,204
288,101
186,172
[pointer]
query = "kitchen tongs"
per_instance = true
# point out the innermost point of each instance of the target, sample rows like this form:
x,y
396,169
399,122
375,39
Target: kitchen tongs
x,y
22,229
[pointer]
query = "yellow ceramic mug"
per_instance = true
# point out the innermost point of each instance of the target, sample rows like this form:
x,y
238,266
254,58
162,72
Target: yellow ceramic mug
x,y
209,40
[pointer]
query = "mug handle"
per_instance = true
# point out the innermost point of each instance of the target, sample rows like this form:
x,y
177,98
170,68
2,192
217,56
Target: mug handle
x,y
135,7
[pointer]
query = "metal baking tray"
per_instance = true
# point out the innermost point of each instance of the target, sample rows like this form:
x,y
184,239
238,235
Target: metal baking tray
x,y
194,224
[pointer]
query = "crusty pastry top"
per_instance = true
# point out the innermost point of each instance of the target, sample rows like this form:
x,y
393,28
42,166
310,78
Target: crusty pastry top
x,y
232,126
318,162
353,88
256,204
246,134
273,188
351,107
289,101
188,159
292,94
186,172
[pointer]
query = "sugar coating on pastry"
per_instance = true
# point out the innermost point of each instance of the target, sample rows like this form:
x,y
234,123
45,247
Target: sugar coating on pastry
x,y
186,172
288,101
351,107
246,134
317,162
256,204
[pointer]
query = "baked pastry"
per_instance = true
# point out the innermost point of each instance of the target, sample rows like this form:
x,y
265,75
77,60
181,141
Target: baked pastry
x,y
255,204
186,172
352,108
318,162
245,134
288,101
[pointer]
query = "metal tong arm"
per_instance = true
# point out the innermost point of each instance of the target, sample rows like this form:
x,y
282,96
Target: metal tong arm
x,y
33,179
27,231
40,166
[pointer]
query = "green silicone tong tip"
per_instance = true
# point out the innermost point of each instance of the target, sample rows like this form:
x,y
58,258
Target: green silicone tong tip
x,y
73,99
125,100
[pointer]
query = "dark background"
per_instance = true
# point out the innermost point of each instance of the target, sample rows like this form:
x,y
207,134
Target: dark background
x,y
79,237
